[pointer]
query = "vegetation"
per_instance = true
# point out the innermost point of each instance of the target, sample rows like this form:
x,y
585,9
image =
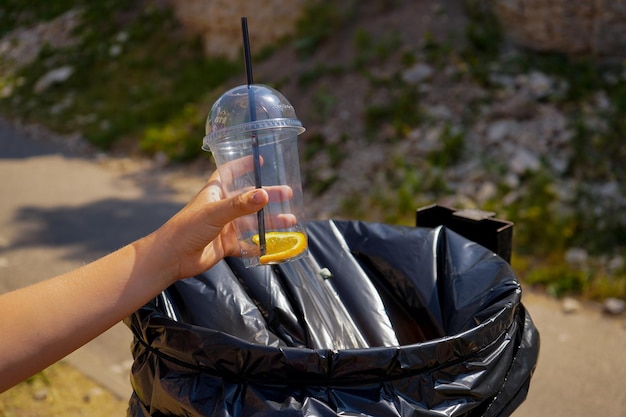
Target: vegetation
x,y
60,390
138,80
126,88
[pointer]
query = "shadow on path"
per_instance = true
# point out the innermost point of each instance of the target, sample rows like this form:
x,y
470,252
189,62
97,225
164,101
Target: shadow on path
x,y
94,229
88,230
15,144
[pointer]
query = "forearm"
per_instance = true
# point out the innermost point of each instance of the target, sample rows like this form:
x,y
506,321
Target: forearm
x,y
44,322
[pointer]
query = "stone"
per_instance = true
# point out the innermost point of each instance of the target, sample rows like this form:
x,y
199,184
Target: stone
x,y
616,264
40,394
22,46
516,106
418,73
614,306
54,76
439,112
524,161
536,83
218,23
575,27
499,130
115,50
570,305
486,192
576,256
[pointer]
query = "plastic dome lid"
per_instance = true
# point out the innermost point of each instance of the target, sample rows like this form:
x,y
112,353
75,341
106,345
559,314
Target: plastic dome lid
x,y
230,114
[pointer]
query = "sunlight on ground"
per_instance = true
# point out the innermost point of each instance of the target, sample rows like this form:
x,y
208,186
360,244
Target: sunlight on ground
x,y
60,390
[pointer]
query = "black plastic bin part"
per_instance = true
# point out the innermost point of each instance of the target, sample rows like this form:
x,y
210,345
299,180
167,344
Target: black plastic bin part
x,y
378,320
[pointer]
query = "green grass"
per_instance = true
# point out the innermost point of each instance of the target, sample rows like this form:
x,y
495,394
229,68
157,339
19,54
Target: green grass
x,y
130,80
592,280
320,21
18,13
139,81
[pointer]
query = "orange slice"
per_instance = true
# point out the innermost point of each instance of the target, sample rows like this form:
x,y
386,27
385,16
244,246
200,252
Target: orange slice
x,y
280,246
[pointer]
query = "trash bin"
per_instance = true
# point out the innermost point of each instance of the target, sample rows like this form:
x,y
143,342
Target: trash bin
x,y
379,320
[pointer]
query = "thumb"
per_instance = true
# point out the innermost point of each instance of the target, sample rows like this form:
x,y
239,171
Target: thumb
x,y
229,209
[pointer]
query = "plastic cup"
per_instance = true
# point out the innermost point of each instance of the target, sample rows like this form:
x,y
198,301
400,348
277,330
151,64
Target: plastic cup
x,y
266,136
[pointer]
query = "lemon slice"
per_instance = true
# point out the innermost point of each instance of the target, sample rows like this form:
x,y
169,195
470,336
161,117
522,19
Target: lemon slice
x,y
281,245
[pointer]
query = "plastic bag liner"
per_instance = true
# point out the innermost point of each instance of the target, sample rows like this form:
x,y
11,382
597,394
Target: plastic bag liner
x,y
379,320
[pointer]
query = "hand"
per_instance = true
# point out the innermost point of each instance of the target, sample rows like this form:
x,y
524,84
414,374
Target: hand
x,y
89,300
202,233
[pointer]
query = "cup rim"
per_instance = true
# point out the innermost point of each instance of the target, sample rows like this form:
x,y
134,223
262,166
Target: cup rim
x,y
226,133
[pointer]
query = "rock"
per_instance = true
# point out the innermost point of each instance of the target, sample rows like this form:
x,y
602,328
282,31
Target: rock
x,y
218,22
122,367
486,192
505,81
608,189
570,305
61,105
575,27
40,394
115,50
427,140
536,83
499,130
516,106
576,256
616,264
439,112
524,161
93,393
161,159
614,306
21,46
54,76
122,36
417,73
558,163
511,180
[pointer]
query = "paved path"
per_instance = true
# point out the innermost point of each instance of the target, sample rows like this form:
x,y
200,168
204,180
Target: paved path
x,y
59,211
582,362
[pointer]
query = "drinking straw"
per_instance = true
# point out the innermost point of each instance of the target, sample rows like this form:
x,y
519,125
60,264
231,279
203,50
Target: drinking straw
x,y
255,140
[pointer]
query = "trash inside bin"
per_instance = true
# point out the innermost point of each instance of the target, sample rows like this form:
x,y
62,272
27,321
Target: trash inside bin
x,y
379,320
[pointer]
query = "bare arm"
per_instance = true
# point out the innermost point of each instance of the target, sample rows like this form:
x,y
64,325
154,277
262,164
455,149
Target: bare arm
x,y
44,322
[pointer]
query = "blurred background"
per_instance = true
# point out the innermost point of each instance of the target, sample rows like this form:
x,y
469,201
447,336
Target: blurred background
x,y
517,107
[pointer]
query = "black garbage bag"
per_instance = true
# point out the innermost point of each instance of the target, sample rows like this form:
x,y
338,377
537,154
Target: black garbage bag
x,y
379,320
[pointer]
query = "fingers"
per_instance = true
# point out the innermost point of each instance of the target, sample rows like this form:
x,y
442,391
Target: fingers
x,y
276,193
248,225
227,210
283,221
279,192
232,170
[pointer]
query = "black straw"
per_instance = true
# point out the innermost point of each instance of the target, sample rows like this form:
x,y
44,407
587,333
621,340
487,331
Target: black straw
x,y
246,50
255,140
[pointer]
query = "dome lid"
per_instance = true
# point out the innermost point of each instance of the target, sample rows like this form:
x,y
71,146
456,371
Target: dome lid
x,y
230,115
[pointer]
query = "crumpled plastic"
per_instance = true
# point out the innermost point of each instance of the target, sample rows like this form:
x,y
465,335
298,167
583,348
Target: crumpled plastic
x,y
378,320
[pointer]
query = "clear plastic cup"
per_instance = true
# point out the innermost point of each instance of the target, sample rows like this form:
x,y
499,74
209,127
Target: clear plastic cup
x,y
265,136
